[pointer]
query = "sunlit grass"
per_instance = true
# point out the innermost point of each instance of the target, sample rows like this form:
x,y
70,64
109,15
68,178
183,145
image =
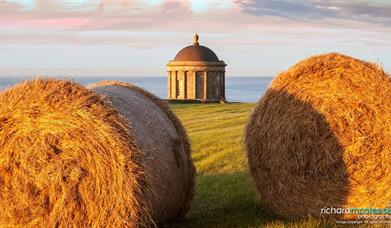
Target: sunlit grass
x,y
216,132
225,196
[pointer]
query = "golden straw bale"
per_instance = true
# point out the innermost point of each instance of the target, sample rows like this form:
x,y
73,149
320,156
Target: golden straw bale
x,y
67,159
321,137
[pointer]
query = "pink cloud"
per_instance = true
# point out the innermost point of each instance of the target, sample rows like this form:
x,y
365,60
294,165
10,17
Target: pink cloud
x,y
130,15
64,22
167,17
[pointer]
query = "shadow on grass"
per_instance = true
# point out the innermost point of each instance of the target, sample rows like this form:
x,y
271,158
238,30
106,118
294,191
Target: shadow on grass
x,y
226,200
229,200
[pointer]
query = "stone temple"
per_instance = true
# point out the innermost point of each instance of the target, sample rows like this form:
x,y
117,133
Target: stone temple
x,y
196,74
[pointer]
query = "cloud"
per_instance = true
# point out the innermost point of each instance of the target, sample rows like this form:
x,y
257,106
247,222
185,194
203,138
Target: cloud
x,y
371,11
159,22
191,15
285,8
123,15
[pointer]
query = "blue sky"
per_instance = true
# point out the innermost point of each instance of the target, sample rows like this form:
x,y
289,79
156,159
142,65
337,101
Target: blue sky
x,y
138,37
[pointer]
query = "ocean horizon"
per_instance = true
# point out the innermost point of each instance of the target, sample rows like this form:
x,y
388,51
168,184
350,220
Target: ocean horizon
x,y
238,89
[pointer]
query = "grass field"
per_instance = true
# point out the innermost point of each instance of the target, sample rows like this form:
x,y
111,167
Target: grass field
x,y
225,196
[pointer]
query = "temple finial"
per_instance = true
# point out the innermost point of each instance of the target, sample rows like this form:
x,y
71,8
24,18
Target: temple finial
x,y
195,39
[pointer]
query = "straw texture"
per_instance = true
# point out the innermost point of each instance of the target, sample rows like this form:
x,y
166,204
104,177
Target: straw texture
x,y
321,137
67,159
162,138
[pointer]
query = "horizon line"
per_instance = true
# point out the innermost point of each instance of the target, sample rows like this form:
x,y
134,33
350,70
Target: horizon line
x,y
90,76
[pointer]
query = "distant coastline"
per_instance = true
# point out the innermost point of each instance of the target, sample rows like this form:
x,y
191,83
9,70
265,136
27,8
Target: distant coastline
x,y
238,89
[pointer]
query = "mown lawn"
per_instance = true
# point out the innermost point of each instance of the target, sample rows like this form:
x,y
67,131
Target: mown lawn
x,y
225,196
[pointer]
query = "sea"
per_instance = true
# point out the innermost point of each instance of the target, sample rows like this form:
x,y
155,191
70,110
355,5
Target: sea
x,y
237,89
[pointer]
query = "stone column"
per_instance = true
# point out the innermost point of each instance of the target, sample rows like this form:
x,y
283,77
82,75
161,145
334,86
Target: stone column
x,y
205,84
191,84
173,85
181,90
223,86
169,84
184,84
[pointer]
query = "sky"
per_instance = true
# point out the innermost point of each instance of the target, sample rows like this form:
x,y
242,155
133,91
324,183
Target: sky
x,y
139,37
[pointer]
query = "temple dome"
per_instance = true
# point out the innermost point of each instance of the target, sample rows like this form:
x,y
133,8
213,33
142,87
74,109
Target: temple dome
x,y
196,52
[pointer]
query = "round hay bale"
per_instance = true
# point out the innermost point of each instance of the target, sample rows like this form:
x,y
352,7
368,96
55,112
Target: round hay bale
x,y
69,158
321,137
161,137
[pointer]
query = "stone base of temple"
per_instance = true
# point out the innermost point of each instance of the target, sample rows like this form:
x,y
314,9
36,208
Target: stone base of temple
x,y
195,101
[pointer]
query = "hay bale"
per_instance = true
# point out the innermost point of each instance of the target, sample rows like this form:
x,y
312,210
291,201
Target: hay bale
x,y
321,137
68,158
161,136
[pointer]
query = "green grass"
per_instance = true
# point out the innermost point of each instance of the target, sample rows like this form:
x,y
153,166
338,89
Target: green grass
x,y
225,196
216,132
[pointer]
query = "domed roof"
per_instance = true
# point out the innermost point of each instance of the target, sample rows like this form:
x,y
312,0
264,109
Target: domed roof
x,y
196,52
